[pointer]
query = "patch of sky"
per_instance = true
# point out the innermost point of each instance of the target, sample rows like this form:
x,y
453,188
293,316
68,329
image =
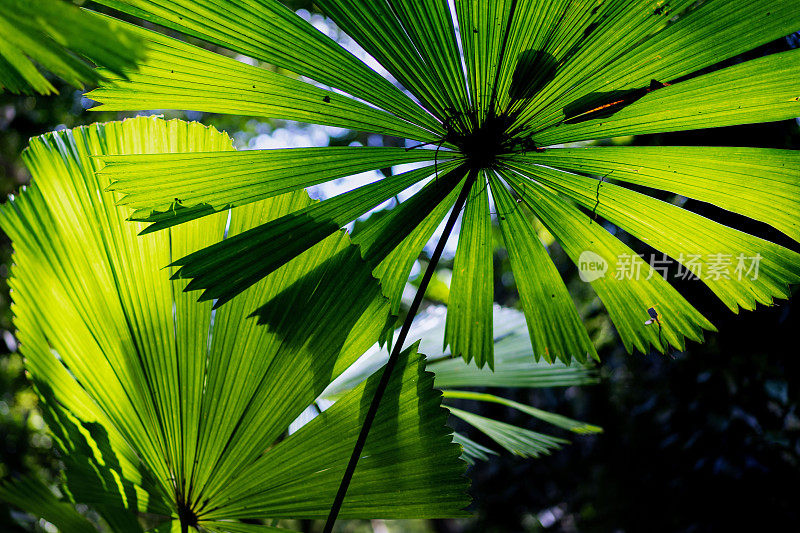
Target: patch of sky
x,y
329,28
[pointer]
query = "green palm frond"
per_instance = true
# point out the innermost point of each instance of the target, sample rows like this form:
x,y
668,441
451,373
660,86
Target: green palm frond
x,y
517,440
514,368
36,498
166,408
490,92
60,37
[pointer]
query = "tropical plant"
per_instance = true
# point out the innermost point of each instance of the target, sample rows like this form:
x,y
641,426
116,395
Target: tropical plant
x,y
491,88
488,90
57,35
486,93
165,409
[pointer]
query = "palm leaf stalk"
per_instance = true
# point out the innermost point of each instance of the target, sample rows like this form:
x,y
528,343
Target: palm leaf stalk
x,y
395,354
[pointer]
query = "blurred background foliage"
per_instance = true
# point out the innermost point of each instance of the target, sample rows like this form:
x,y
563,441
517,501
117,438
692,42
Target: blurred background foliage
x,y
708,440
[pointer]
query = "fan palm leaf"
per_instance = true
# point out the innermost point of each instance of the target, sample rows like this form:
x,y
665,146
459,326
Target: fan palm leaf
x,y
493,89
163,406
60,37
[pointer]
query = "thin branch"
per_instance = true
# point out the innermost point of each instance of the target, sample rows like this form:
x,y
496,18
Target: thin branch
x,y
398,346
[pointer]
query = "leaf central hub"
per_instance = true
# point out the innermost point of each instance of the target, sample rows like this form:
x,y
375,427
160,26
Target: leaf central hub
x,y
483,143
187,516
